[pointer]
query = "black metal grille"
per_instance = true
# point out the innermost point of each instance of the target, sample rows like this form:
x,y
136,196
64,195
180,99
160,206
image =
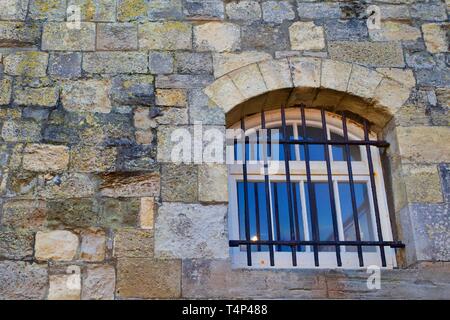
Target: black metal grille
x,y
294,229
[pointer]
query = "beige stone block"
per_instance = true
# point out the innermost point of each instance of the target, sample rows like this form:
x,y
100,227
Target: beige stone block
x,y
424,144
306,36
93,245
405,77
26,63
435,36
170,35
225,62
92,158
117,184
363,81
142,118
99,283
45,157
305,71
224,93
335,75
59,36
213,183
115,62
148,278
391,94
395,31
249,81
58,245
133,243
147,213
65,286
276,74
217,36
87,96
144,136
41,97
422,183
171,97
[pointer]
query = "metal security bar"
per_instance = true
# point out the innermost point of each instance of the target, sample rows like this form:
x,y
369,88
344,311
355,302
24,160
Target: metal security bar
x,y
296,241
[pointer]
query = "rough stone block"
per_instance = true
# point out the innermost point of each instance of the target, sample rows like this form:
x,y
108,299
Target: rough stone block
x,y
376,54
117,36
22,280
249,81
57,36
39,97
264,37
171,35
277,11
171,97
213,183
395,31
130,185
21,131
132,10
148,278
95,10
50,10
67,185
201,109
306,36
115,62
5,91
353,29
417,176
243,10
179,183
429,11
132,90
87,95
64,286
18,34
318,10
435,36
227,62
204,9
99,282
305,71
363,81
65,64
391,94
24,214
193,63
45,157
26,63
14,9
133,243
58,245
71,213
160,62
276,74
217,36
92,159
93,245
200,231
165,10
183,81
16,245
147,213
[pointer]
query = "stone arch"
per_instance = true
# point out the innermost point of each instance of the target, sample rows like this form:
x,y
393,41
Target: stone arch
x,y
332,84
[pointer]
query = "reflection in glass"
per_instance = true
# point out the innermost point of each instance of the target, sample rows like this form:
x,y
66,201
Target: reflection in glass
x,y
339,151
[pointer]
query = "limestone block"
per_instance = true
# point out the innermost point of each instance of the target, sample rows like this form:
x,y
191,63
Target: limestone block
x,y
171,35
171,97
45,157
92,159
277,11
147,213
5,91
117,36
243,10
14,9
435,36
335,75
217,36
65,64
395,31
40,97
160,62
26,63
276,74
16,245
363,81
249,81
50,10
95,10
87,96
131,10
306,36
65,286
130,185
228,61
99,283
305,71
133,243
115,62
93,245
18,34
418,176
59,245
213,183
57,36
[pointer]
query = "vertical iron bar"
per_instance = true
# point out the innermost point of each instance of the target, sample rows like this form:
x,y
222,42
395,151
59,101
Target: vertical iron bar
x,y
244,172
374,193
277,216
330,187
287,157
258,227
311,193
267,188
297,225
352,190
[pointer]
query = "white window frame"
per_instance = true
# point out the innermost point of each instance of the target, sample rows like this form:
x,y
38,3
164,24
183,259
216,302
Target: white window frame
x,y
318,173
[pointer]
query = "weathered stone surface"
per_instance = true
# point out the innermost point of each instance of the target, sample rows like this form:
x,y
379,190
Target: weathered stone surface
x,y
39,97
417,176
376,54
424,144
93,245
264,37
132,90
306,36
217,36
87,95
212,183
165,9
435,36
65,65
171,35
16,244
429,11
133,243
59,245
18,34
243,10
24,214
276,74
142,119
226,62
96,10
249,81
130,185
21,131
98,283
363,81
353,29
201,109
173,116
45,157
390,11
137,158
113,36
318,10
115,62
65,286
71,213
395,31
224,93
392,94
183,81
67,185
51,10
204,9
22,280
26,63
5,91
160,62
305,71
405,77
179,183
147,213
171,97
57,36
92,159
277,11
14,9
131,10
119,213
148,278
193,63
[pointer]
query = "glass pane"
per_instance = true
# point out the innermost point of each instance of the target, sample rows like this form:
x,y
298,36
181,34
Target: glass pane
x,y
324,215
276,134
364,215
316,151
339,151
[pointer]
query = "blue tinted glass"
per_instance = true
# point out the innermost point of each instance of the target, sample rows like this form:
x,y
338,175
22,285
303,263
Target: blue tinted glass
x,y
363,209
316,151
276,134
340,153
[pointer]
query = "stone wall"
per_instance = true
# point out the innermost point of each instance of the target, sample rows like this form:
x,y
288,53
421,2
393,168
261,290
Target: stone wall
x,y
86,114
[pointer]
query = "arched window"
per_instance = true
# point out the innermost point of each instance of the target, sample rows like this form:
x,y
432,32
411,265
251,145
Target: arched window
x,y
325,207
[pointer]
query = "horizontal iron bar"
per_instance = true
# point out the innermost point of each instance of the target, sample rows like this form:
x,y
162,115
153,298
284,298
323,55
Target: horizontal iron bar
x,y
380,144
392,244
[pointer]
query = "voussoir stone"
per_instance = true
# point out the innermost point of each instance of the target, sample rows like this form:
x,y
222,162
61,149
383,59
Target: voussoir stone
x,y
225,62
363,81
276,74
249,81
45,157
224,93
391,94
335,75
305,71
217,36
57,245
87,95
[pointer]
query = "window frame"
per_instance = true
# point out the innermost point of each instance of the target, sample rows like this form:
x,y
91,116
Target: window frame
x,y
319,173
